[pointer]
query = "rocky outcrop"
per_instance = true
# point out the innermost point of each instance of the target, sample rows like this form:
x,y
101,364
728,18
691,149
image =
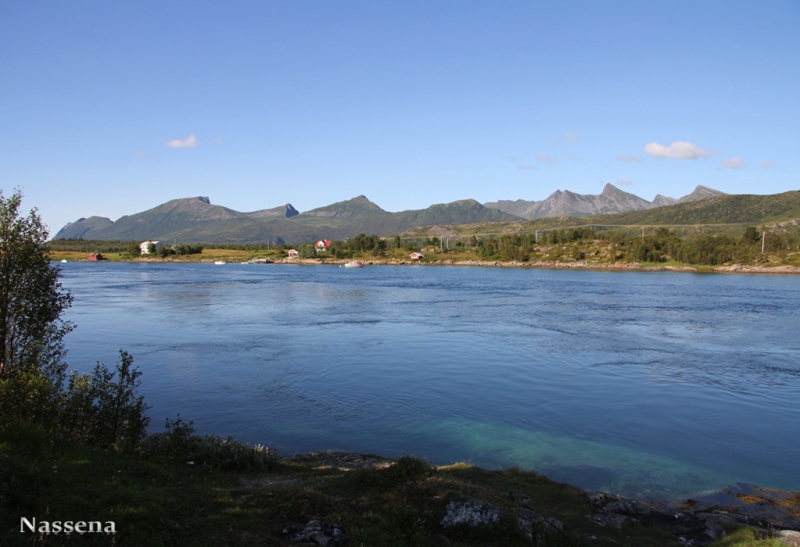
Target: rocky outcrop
x,y
472,513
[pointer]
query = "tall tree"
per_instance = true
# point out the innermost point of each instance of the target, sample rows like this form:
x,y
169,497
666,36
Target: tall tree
x,y
32,299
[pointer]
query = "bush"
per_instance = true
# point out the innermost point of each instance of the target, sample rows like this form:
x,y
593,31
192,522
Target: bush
x,y
179,445
102,410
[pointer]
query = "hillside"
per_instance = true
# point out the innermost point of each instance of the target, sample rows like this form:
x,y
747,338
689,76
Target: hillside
x,y
731,210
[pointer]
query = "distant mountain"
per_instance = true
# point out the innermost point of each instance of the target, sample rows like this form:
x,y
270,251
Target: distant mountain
x,y
79,228
701,192
197,220
661,201
611,200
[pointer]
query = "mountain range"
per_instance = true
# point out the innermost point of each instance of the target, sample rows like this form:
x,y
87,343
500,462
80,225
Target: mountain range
x,y
611,200
196,219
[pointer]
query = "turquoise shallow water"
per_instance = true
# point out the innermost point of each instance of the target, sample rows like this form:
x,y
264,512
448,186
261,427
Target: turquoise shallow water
x,y
642,383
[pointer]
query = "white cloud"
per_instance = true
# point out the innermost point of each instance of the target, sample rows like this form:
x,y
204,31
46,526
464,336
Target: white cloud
x,y
188,142
629,159
767,164
733,163
678,150
625,182
541,158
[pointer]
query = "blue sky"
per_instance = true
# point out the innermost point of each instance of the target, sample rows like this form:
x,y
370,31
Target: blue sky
x,y
112,108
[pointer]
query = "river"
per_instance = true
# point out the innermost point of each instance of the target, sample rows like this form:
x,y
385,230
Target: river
x,y
647,384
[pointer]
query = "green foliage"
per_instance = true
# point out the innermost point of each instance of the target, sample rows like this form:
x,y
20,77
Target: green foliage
x,y
179,445
306,251
102,408
31,299
163,251
29,396
131,248
184,249
94,246
362,243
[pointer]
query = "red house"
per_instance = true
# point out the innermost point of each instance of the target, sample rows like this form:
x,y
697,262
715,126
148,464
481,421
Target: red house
x,y
293,253
415,256
322,244
95,257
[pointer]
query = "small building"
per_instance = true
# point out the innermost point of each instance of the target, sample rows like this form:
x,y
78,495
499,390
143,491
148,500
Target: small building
x,y
416,256
144,246
322,245
96,257
293,253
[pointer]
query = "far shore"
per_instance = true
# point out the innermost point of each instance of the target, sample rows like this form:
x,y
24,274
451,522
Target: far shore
x,y
552,265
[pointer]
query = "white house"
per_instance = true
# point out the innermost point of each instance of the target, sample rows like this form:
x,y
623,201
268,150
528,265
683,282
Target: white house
x,y
293,253
144,246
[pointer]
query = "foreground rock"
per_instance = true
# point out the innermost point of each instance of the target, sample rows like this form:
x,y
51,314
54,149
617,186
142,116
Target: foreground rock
x,y
321,533
472,513
701,522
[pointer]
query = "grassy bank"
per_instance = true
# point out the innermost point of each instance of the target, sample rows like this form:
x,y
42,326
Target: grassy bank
x,y
376,502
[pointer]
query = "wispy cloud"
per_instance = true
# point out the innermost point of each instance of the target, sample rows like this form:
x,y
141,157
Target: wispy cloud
x,y
629,159
767,164
624,182
139,153
567,137
573,157
733,163
679,150
218,141
541,158
188,142
525,167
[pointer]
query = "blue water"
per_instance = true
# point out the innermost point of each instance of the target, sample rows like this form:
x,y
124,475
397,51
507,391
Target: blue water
x,y
642,383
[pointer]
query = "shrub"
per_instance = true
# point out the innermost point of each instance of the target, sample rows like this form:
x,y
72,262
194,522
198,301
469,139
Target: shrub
x,y
103,410
179,445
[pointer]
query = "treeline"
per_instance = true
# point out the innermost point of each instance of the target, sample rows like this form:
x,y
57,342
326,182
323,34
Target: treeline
x,y
90,245
705,249
660,246
520,247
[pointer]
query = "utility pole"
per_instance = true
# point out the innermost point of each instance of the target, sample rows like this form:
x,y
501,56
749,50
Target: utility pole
x,y
763,239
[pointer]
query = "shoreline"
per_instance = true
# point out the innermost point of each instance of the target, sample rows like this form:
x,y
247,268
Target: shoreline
x,y
698,520
547,265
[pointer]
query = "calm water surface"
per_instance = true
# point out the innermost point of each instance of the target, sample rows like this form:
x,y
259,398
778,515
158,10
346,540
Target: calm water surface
x,y
641,383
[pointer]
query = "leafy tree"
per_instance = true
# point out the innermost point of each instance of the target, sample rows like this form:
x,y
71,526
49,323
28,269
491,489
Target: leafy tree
x,y
31,297
133,249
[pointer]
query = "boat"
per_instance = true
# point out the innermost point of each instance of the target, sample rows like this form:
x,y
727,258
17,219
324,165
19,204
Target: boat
x,y
219,262
64,261
354,264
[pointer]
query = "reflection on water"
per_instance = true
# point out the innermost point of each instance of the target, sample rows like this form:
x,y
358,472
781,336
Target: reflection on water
x,y
640,383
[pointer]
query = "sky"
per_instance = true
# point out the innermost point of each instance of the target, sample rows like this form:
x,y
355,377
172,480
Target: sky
x,y
112,108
